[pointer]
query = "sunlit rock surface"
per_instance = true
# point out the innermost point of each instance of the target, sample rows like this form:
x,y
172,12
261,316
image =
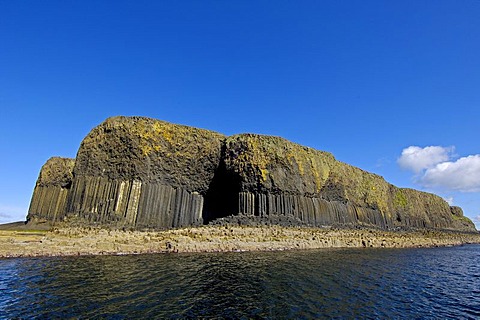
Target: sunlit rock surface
x,y
141,172
49,198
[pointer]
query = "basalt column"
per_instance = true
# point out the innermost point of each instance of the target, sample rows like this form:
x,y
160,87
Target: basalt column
x,y
143,172
50,193
278,177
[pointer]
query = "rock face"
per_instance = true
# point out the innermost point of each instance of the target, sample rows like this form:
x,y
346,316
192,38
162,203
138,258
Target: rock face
x,y
271,175
50,194
141,172
144,172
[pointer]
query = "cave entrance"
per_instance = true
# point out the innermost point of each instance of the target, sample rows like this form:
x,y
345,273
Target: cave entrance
x,y
221,199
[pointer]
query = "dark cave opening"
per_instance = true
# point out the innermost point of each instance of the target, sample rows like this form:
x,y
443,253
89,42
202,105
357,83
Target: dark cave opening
x,y
221,199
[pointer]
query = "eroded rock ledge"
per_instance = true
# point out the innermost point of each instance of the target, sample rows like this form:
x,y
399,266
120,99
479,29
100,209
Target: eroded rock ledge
x,y
145,173
74,241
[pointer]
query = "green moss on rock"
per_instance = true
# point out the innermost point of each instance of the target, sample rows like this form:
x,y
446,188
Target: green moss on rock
x,y
139,171
56,171
273,165
149,150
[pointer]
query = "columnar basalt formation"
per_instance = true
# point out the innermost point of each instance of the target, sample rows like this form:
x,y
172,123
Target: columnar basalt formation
x,y
144,172
280,177
49,198
141,172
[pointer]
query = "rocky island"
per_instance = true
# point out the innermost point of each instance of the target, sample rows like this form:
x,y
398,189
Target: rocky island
x,y
138,173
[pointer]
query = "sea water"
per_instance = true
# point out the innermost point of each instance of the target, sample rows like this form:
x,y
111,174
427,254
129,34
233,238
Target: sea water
x,y
435,283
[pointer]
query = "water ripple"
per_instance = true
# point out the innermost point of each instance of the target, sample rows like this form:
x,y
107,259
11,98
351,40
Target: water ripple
x,y
334,283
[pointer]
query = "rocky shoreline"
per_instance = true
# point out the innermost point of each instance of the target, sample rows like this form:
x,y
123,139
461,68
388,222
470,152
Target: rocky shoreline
x,y
75,241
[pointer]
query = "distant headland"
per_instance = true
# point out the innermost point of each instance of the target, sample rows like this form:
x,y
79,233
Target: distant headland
x,y
139,172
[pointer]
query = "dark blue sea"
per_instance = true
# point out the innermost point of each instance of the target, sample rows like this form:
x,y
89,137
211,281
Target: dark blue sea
x,y
437,283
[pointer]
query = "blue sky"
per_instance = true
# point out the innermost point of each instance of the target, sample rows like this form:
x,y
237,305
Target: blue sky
x,y
364,80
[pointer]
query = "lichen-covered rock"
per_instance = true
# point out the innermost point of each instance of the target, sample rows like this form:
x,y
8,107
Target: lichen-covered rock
x,y
460,222
50,193
144,172
275,176
56,171
266,163
420,209
149,150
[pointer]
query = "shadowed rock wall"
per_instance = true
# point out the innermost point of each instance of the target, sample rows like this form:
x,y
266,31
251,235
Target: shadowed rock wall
x,y
135,171
50,194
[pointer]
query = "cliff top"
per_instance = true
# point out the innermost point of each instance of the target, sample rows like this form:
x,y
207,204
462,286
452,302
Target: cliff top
x,y
150,150
56,171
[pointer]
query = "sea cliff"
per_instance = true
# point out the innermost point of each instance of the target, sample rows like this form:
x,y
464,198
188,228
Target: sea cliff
x,y
139,172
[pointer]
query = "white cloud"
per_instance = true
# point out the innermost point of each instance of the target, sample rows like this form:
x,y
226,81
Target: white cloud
x,y
417,159
449,200
460,175
434,167
476,220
